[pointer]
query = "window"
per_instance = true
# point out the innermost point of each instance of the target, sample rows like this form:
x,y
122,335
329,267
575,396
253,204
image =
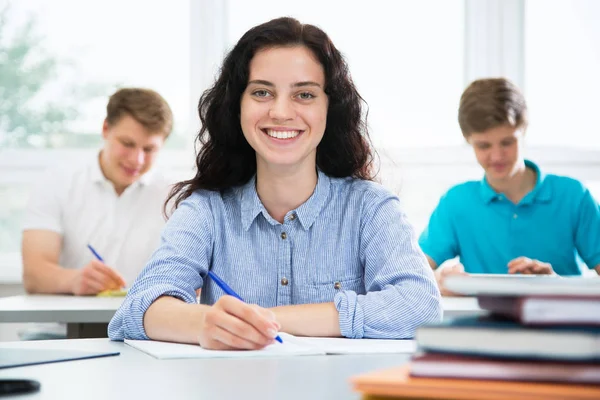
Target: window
x,y
562,60
59,61
409,59
406,58
69,65
411,75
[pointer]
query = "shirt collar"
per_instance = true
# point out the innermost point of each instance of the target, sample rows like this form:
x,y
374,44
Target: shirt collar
x,y
307,213
251,204
541,191
96,175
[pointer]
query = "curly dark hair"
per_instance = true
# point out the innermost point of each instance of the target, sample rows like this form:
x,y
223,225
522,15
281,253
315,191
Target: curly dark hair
x,y
225,159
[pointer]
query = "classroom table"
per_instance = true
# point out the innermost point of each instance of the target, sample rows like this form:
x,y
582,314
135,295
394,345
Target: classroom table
x,y
87,316
136,375
460,306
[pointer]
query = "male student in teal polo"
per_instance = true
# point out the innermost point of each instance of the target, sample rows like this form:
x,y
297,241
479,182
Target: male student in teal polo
x,y
517,219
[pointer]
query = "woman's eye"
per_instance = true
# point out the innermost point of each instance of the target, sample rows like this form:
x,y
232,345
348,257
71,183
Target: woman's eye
x,y
306,96
260,93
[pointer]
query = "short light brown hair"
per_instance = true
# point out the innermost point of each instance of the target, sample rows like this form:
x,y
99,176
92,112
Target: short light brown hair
x,y
146,106
489,103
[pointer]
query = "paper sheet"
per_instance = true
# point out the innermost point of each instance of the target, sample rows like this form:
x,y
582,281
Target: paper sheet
x,y
291,346
360,346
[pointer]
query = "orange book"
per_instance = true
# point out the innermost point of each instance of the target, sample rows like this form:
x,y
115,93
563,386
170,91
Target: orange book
x,y
397,383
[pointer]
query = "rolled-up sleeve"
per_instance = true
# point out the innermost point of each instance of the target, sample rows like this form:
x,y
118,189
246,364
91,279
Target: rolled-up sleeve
x,y
174,269
401,292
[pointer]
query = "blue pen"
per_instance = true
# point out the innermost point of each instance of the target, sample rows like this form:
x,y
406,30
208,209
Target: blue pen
x,y
95,253
230,292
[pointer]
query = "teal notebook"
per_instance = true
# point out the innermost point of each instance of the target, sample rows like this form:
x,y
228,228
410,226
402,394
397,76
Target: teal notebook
x,y
15,357
504,338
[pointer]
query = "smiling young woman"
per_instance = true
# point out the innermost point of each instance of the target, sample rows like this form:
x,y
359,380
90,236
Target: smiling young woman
x,y
284,209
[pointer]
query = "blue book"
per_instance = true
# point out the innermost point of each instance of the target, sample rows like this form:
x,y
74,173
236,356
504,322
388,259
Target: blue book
x,y
491,336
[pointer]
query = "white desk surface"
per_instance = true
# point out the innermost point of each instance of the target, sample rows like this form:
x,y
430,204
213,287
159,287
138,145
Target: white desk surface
x,y
458,306
135,375
86,309
58,308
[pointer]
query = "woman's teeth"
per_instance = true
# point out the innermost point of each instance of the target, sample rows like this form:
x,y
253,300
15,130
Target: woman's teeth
x,y
282,134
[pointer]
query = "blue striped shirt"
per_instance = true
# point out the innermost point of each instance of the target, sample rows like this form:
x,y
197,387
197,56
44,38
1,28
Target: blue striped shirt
x,y
349,243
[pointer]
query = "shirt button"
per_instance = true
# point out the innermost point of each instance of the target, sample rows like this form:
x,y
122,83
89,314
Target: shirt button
x,y
292,217
283,235
284,282
337,286
515,216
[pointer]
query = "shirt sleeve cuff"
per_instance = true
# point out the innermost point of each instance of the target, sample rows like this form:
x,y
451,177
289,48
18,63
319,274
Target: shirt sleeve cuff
x,y
42,226
130,316
351,315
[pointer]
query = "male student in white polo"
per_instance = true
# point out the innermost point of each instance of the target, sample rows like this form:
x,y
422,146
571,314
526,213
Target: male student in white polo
x,y
113,202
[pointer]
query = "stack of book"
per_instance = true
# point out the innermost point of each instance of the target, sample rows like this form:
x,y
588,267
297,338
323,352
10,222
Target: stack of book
x,y
541,339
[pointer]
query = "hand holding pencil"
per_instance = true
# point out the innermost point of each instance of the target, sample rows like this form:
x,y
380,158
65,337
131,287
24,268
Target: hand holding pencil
x,y
232,324
96,277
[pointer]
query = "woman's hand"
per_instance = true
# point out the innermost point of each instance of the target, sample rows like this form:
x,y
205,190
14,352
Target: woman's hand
x,y
231,324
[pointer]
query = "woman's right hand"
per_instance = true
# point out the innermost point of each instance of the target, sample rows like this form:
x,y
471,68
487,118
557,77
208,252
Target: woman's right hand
x,y
231,324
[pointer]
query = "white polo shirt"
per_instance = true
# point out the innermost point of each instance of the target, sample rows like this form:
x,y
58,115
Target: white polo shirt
x,y
79,203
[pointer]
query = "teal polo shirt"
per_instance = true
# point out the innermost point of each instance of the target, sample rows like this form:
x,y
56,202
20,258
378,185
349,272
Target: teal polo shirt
x,y
556,222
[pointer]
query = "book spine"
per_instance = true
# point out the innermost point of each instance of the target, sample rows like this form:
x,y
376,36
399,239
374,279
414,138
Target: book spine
x,y
506,306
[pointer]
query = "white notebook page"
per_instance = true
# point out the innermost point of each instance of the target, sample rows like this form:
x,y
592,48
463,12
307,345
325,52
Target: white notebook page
x,y
291,346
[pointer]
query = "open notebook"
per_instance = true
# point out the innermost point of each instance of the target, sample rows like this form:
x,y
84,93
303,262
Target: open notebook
x,y
291,346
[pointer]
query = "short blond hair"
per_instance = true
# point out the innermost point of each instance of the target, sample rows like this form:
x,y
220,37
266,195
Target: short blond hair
x,y
489,103
146,106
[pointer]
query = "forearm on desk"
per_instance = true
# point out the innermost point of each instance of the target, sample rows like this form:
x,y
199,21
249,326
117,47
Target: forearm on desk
x,y
309,319
47,277
173,320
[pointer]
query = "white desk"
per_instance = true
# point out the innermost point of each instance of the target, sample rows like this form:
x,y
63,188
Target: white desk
x,y
135,375
459,306
79,311
84,316
58,308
